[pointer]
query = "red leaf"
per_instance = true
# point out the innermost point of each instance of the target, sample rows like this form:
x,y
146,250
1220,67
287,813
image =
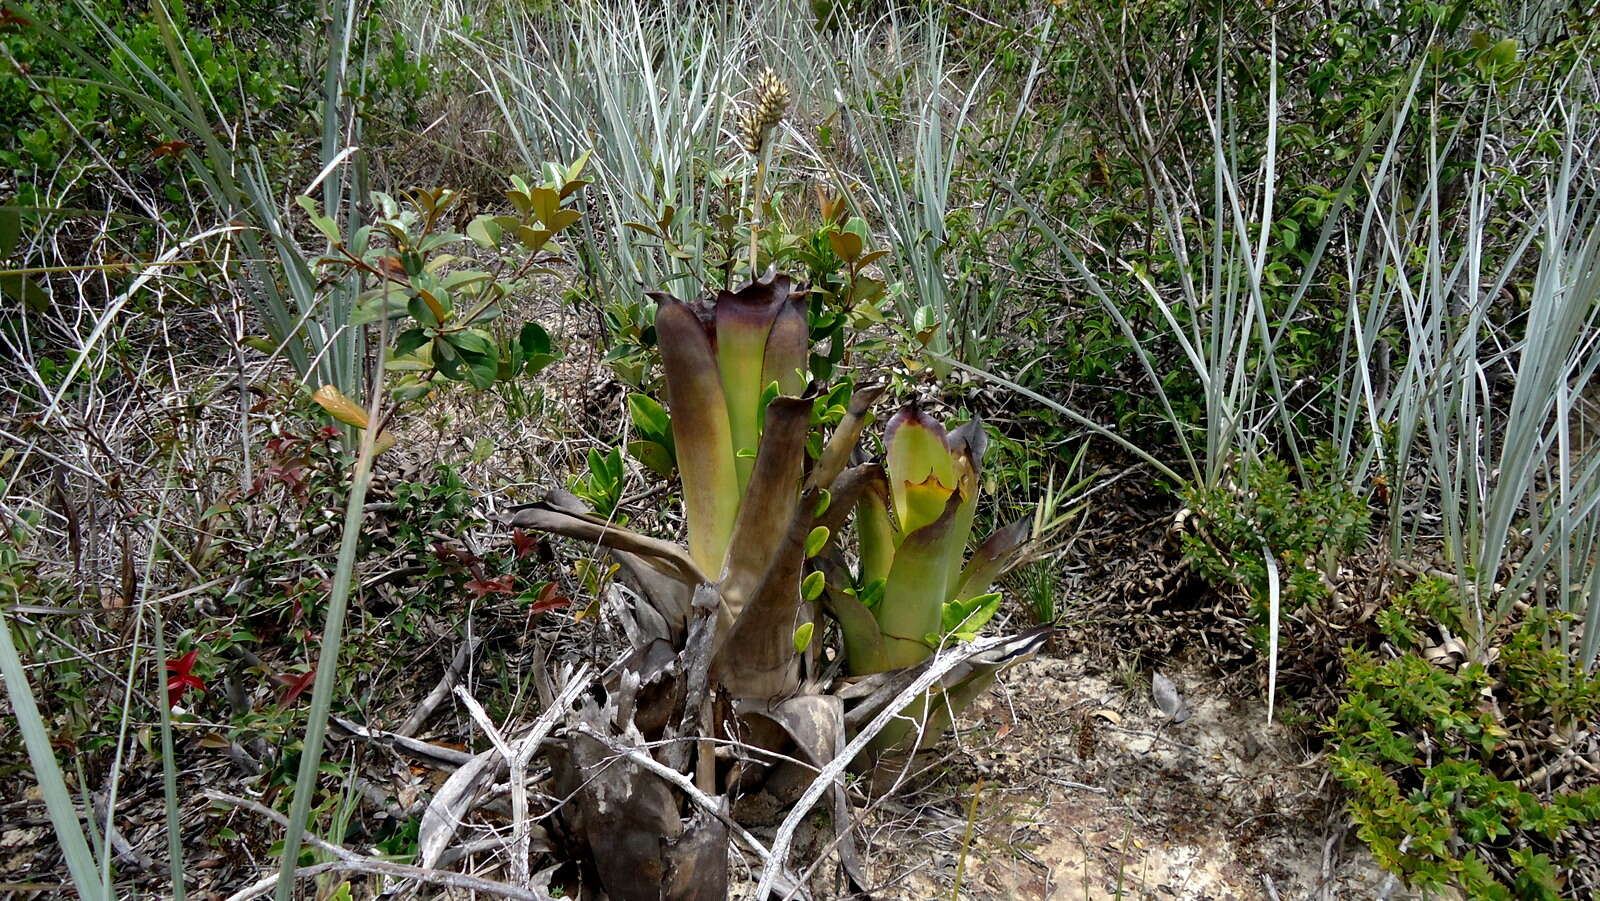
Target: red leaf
x,y
450,554
294,685
180,678
169,148
481,588
523,542
550,598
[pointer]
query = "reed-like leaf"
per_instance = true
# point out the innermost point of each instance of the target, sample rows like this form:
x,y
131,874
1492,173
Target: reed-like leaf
x,y
47,770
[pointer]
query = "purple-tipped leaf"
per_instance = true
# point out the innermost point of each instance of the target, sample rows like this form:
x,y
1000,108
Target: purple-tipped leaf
x,y
770,502
992,558
701,431
743,321
967,445
788,345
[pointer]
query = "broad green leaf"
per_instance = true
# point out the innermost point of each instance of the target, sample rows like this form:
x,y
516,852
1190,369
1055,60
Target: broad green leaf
x,y
875,533
917,453
465,278
482,370
768,510
743,321
485,232
562,219
473,341
965,618
816,539
649,418
802,635
653,456
544,202
533,239
408,391
324,224
913,599
10,230
863,642
423,312
788,343
409,341
24,290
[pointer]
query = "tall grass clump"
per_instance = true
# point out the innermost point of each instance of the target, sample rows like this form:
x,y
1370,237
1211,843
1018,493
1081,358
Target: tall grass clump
x,y
305,322
643,88
1485,419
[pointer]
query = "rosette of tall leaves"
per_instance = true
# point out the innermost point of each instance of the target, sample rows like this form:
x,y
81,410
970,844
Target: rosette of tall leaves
x,y
735,370
914,585
725,364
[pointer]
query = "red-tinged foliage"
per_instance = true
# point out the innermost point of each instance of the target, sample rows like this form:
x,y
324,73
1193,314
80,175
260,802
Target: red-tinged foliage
x,y
294,684
169,148
550,598
524,543
180,677
482,588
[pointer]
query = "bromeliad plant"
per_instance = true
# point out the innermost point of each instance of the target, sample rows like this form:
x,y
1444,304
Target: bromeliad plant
x,y
913,519
725,629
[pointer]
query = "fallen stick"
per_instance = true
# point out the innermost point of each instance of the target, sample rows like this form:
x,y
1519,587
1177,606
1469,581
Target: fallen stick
x,y
350,860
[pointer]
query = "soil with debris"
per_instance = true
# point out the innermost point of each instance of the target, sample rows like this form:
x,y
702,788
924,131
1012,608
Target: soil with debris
x,y
1066,784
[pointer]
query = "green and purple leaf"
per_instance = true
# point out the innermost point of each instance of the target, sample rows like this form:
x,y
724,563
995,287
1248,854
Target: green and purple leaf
x,y
701,433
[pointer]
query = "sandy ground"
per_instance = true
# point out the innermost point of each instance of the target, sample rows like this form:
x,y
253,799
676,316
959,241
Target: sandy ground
x,y
1090,792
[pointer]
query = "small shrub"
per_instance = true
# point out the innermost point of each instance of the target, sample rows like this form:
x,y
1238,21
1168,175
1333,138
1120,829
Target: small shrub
x,y
1424,743
1308,527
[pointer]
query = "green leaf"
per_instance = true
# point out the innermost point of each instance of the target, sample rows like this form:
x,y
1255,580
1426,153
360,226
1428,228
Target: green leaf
x,y
802,635
965,618
485,232
816,539
10,230
407,391
378,305
482,369
919,462
58,799
473,341
544,202
652,455
562,219
409,342
25,291
422,312
324,224
533,239
650,418
811,587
